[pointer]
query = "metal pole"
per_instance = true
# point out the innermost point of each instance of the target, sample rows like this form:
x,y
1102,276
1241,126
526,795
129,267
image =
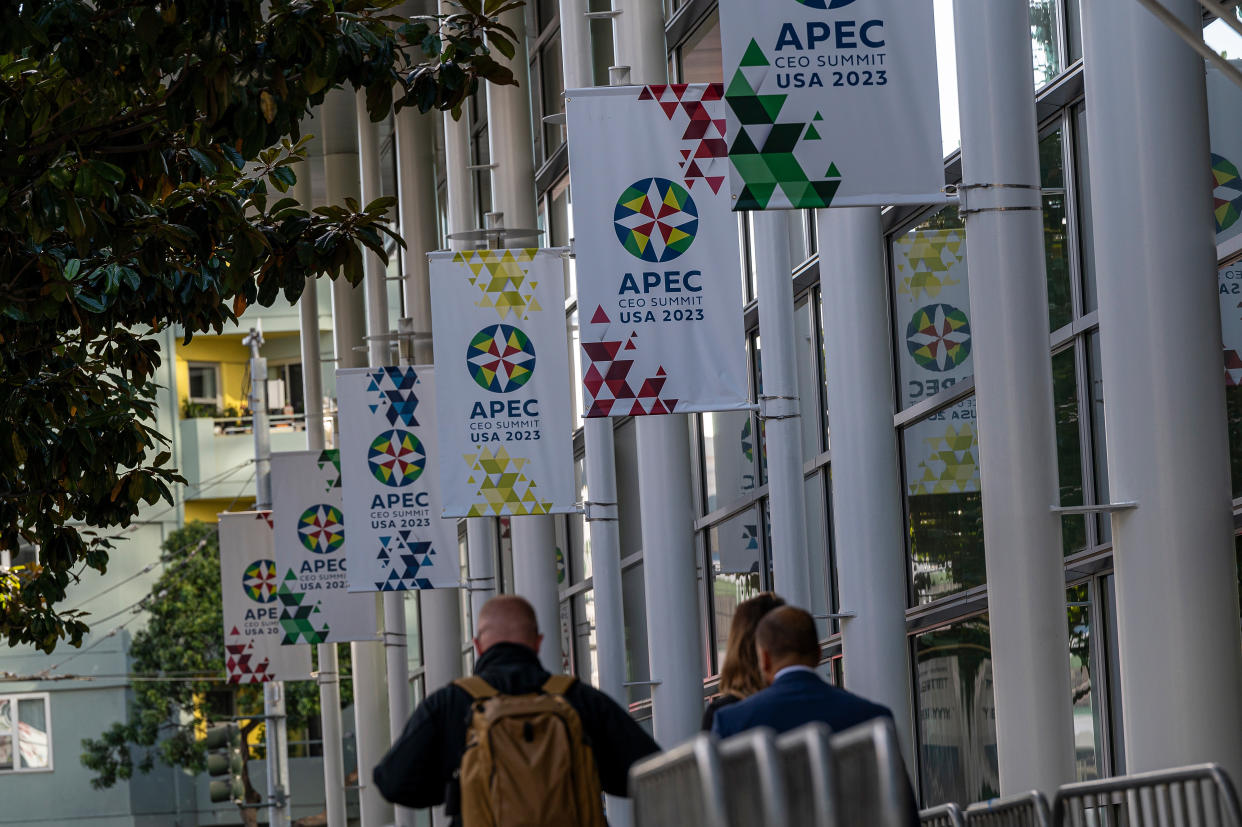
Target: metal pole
x,y
342,179
866,483
273,692
670,570
513,200
1013,391
1160,348
778,407
480,531
328,676
439,610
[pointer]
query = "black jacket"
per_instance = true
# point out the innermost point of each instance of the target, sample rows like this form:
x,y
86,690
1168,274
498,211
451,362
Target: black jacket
x,y
418,770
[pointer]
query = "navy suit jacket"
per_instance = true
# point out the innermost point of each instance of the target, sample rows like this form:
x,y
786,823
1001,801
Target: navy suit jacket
x,y
794,699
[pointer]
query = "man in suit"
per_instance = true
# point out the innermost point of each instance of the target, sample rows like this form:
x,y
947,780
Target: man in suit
x,y
788,646
788,654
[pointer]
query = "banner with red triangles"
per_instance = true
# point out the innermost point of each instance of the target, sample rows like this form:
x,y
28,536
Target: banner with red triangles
x,y
249,591
656,249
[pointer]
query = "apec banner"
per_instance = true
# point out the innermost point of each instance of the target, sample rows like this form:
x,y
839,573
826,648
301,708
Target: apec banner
x,y
659,272
503,407
397,538
831,103
249,588
316,605
1225,130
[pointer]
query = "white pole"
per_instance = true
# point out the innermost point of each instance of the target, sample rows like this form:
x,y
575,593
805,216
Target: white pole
x,y
778,406
342,179
866,483
1013,392
328,676
670,576
480,531
273,692
439,610
513,196
1160,343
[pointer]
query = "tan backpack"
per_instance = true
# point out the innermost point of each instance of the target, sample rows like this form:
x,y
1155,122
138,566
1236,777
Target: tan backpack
x,y
527,762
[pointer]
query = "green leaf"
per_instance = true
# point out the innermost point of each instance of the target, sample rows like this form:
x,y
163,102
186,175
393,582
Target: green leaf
x,y
204,162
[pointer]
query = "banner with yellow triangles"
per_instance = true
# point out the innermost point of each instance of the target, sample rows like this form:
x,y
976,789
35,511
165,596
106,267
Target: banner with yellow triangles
x,y
504,416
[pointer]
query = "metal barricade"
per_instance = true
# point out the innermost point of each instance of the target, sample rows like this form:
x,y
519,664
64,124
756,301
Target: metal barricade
x,y
946,815
1196,796
754,789
806,758
872,788
681,786
1022,810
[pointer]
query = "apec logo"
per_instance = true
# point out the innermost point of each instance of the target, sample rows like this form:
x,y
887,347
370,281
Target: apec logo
x,y
501,358
321,529
259,581
655,220
828,6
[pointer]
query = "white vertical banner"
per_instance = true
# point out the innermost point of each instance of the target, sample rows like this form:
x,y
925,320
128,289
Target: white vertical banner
x,y
311,533
504,402
658,264
1225,131
397,538
251,606
831,103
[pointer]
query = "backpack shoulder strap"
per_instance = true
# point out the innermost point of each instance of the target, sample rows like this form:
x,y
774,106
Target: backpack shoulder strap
x,y
558,684
478,688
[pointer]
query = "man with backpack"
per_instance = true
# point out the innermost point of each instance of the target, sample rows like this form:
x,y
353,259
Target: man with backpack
x,y
513,744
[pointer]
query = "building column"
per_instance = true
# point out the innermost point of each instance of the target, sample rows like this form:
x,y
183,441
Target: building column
x,y
868,530
1013,392
670,570
1160,347
328,674
439,610
778,406
342,180
513,195
480,531
601,466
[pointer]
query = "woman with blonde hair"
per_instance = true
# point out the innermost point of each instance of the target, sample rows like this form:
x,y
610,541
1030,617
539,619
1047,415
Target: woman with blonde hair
x,y
739,674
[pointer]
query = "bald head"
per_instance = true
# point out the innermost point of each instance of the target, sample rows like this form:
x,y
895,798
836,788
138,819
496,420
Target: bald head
x,y
507,618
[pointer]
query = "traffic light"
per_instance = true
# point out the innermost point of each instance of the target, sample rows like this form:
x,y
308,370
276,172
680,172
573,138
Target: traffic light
x,y
225,763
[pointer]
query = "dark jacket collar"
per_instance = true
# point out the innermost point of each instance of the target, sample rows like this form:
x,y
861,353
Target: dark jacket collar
x,y
507,656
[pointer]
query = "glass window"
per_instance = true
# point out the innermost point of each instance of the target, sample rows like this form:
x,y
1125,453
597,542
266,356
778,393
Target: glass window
x,y
1056,239
1045,25
25,742
956,714
545,13
728,457
737,559
944,506
1073,13
204,383
1069,448
579,538
6,734
601,43
634,600
807,350
1085,227
701,58
946,75
585,656
1099,437
931,307
820,550
1087,732
1230,291
627,489
552,83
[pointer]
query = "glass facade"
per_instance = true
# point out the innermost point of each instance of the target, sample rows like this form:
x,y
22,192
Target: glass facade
x,y
936,426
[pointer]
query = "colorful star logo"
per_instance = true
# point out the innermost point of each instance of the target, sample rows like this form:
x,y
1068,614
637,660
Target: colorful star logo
x,y
501,358
1226,192
656,219
396,458
259,580
321,529
938,337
